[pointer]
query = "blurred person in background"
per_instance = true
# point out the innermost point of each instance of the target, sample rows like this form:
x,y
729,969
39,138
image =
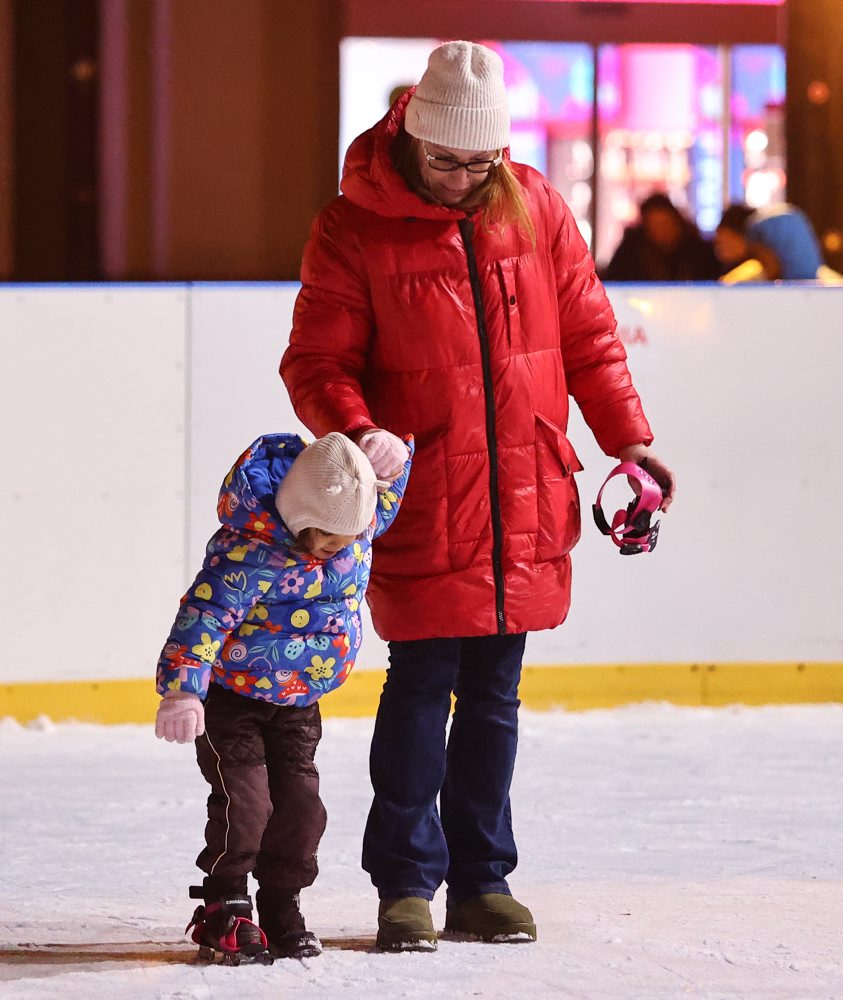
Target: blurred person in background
x,y
448,293
731,247
775,243
663,246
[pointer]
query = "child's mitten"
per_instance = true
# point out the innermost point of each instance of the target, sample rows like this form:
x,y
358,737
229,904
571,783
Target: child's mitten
x,y
181,717
385,451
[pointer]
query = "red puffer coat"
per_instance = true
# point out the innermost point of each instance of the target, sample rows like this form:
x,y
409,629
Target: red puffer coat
x,y
417,318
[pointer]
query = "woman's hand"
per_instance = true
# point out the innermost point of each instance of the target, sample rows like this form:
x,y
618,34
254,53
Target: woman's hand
x,y
641,455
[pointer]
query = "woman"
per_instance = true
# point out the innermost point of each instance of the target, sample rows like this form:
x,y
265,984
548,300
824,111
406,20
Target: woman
x,y
447,293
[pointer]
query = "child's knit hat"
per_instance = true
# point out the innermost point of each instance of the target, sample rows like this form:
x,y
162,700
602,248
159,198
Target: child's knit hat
x,y
460,100
331,485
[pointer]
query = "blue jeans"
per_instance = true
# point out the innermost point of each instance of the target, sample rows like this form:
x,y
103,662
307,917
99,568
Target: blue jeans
x,y
407,848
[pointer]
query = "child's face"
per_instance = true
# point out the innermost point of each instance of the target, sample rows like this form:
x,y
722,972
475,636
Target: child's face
x,y
323,544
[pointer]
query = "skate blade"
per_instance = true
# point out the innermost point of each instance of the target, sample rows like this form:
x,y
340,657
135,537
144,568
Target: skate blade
x,y
212,956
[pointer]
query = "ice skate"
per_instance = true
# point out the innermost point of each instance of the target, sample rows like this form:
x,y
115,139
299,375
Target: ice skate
x,y
224,930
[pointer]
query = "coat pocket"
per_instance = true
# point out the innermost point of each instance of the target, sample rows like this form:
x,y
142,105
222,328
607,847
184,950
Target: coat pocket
x,y
511,306
557,497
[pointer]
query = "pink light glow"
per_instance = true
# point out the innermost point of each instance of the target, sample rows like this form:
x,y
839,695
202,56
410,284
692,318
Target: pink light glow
x,y
720,3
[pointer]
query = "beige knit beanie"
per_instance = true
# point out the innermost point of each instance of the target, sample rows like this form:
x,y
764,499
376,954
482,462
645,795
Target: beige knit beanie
x,y
460,101
331,485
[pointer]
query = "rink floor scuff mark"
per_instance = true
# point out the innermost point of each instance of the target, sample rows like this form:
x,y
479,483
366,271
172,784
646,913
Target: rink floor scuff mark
x,y
31,955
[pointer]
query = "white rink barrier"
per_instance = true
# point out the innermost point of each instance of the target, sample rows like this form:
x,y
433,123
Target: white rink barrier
x,y
123,407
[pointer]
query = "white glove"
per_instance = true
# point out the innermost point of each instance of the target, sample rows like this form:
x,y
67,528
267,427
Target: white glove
x,y
181,717
385,451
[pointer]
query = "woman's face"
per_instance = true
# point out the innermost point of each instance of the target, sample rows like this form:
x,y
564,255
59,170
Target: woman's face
x,y
452,188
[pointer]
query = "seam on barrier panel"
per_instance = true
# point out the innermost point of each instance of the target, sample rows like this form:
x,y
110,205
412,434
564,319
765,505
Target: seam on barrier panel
x,y
188,433
227,804
703,674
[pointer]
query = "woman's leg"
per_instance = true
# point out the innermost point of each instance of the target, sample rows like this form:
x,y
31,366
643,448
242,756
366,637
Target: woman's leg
x,y
480,760
404,848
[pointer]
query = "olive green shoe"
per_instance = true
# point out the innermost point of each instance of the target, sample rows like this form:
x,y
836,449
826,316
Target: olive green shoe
x,y
405,925
493,917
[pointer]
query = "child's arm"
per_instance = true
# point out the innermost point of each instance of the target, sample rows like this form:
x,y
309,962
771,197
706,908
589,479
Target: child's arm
x,y
390,500
232,580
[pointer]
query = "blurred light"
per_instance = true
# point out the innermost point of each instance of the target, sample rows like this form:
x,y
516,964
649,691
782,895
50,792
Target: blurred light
x,y
584,227
83,70
677,141
644,306
757,141
764,187
819,92
524,98
711,100
582,155
833,241
581,194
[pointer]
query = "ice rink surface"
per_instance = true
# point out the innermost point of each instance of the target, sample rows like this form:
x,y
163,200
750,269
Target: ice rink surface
x,y
665,852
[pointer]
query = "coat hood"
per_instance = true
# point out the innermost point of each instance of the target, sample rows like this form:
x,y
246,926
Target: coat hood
x,y
249,488
370,180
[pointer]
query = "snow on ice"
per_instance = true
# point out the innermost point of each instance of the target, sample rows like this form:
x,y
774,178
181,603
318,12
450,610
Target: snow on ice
x,y
665,852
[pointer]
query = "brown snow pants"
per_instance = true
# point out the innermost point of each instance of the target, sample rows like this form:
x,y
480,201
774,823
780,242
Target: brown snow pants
x,y
264,811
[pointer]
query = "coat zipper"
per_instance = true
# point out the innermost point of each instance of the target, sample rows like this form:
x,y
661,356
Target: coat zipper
x,y
466,228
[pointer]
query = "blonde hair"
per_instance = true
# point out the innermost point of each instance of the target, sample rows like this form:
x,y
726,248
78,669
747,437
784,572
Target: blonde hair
x,y
505,203
500,195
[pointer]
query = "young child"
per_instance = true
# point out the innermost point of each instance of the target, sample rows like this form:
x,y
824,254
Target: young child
x,y
270,624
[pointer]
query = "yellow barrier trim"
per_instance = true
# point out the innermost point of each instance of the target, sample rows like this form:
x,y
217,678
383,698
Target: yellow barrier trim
x,y
570,687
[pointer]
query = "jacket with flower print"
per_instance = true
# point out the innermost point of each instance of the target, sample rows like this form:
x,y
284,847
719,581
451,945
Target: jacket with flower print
x,y
261,618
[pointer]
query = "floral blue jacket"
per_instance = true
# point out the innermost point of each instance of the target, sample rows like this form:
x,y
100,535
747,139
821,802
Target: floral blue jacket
x,y
260,618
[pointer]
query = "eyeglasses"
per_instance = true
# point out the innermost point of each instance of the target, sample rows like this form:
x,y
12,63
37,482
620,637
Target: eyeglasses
x,y
448,164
